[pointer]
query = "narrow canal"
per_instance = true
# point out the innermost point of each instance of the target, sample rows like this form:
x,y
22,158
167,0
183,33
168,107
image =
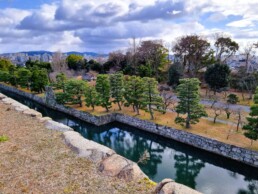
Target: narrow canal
x,y
203,171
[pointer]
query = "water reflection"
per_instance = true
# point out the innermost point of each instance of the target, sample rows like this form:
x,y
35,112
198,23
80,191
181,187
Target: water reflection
x,y
187,169
252,187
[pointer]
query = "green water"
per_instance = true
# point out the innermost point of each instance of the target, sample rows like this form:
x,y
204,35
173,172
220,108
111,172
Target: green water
x,y
203,171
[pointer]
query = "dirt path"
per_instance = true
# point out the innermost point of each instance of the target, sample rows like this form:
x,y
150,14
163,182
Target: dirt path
x,y
35,160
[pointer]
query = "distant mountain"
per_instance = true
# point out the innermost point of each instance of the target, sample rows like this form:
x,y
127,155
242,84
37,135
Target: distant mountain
x,y
32,53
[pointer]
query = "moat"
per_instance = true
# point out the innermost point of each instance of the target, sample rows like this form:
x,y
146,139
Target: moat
x,y
201,170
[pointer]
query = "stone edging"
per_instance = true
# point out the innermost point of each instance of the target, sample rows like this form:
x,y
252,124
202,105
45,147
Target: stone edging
x,y
229,151
110,163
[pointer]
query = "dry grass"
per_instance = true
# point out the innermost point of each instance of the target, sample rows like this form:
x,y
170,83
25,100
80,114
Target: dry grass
x,y
35,160
226,133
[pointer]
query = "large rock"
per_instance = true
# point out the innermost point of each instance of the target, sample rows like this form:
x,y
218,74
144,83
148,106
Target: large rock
x,y
44,119
169,186
118,166
86,148
52,125
2,96
32,113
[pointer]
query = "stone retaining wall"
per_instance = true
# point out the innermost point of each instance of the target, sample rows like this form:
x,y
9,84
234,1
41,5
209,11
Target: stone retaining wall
x,y
233,152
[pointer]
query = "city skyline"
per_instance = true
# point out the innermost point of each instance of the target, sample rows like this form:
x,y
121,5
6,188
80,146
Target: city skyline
x,y
102,26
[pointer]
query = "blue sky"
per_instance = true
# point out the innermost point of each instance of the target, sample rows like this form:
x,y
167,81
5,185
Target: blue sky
x,y
106,25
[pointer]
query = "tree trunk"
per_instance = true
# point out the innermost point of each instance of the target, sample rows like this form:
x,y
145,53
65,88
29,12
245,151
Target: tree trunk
x,y
119,105
107,110
187,122
215,118
151,113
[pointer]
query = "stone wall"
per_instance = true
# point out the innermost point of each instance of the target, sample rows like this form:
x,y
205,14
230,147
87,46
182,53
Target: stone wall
x,y
233,152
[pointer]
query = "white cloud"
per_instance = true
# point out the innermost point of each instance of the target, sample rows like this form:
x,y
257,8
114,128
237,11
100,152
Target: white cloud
x,y
105,25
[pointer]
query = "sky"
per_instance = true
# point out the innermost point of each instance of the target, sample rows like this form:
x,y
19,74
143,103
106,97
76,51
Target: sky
x,y
106,25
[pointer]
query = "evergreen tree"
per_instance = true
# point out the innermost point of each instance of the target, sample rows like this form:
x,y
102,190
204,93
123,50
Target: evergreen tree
x,y
189,98
75,90
117,88
24,76
39,79
103,89
251,127
60,81
151,98
232,99
91,97
133,94
217,77
175,73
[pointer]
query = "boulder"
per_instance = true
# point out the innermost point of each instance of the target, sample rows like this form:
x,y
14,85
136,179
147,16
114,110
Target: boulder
x,y
169,186
32,113
52,125
2,96
44,119
8,101
118,166
86,148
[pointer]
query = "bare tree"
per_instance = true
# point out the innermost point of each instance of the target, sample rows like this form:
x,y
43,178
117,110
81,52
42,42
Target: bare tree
x,y
228,110
214,99
217,111
169,101
238,114
58,62
249,54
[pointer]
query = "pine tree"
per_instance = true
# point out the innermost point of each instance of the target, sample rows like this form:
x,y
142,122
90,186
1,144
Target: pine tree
x,y
133,94
189,102
251,127
39,79
60,81
103,89
24,76
151,98
117,88
75,89
91,97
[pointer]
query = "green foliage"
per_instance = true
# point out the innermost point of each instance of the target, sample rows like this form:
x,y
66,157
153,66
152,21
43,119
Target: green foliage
x,y
103,89
5,65
60,81
75,89
4,76
117,88
189,102
39,79
23,77
62,98
75,62
37,64
151,99
3,138
133,92
95,66
251,127
91,97
175,73
232,99
217,77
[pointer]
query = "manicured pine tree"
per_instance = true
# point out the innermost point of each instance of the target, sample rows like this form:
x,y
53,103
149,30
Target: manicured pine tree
x,y
189,102
60,81
117,88
251,127
133,92
39,79
151,98
103,89
75,89
91,97
23,77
